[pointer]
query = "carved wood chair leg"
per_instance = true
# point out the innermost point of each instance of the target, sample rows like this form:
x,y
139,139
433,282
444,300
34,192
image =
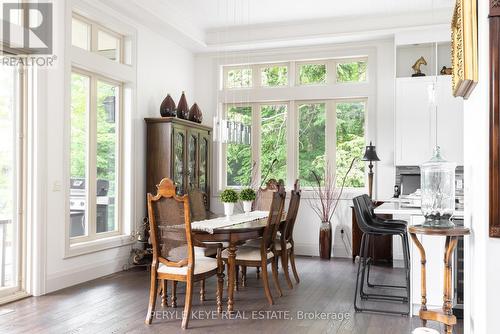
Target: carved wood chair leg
x,y
152,298
173,298
220,288
258,272
243,276
164,296
202,290
274,265
187,304
292,262
265,279
284,264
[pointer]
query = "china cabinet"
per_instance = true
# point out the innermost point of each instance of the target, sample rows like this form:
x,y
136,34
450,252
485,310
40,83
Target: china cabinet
x,y
180,150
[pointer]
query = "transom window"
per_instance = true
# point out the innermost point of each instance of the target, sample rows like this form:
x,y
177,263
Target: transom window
x,y
307,73
91,36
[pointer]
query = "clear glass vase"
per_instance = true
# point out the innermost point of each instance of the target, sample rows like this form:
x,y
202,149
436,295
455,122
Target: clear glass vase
x,y
437,181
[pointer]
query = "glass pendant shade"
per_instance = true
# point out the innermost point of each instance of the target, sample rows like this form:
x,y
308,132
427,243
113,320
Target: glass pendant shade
x,y
437,179
232,132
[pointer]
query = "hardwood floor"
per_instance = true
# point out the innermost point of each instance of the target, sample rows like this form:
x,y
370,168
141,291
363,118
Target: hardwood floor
x,y
118,304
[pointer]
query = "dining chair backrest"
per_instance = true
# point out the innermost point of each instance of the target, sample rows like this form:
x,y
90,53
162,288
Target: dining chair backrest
x,y
198,202
265,195
291,215
170,226
274,218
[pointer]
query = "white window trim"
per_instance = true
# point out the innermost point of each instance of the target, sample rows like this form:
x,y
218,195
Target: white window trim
x,y
125,73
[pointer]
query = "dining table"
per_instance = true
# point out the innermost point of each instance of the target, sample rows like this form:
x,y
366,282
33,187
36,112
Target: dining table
x,y
238,229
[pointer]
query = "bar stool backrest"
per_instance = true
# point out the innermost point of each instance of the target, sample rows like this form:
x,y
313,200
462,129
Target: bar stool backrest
x,y
363,215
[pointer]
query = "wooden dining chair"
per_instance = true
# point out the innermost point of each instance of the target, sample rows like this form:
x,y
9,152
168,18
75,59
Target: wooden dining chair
x,y
199,204
247,256
264,195
284,245
174,257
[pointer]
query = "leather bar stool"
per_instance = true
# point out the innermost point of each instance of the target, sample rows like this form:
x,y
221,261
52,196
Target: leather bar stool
x,y
372,226
390,223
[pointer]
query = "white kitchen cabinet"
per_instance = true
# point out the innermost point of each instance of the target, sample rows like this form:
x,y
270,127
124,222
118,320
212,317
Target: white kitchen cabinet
x,y
450,122
416,120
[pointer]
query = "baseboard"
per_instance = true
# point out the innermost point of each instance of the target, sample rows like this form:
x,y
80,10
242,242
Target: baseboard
x,y
67,278
308,249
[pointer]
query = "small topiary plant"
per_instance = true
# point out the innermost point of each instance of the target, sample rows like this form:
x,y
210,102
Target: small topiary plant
x,y
247,194
229,196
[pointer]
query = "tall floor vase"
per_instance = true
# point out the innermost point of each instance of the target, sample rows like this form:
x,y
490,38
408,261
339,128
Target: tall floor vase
x,y
325,240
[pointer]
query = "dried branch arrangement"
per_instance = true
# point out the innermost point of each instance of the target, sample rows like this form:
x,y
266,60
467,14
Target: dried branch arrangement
x,y
326,194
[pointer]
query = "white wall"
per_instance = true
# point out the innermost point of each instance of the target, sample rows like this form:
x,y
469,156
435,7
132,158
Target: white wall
x,y
482,282
380,127
163,67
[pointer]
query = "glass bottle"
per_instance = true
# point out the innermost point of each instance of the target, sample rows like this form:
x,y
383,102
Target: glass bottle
x,y
437,181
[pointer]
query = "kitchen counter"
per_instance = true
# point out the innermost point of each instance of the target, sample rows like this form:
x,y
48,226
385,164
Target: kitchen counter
x,y
397,208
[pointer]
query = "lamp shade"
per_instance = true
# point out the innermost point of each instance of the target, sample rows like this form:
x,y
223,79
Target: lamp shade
x,y
370,153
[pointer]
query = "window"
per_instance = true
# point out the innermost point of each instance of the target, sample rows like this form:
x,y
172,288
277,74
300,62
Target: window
x,y
354,71
273,141
297,138
312,122
239,78
93,37
80,34
108,45
350,142
11,180
273,76
239,157
94,156
312,74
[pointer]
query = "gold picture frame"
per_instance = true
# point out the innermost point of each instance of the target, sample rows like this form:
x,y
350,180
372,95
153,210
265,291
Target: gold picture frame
x,y
464,47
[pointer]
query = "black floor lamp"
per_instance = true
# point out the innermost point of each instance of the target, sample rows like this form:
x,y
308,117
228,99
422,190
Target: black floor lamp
x,y
370,155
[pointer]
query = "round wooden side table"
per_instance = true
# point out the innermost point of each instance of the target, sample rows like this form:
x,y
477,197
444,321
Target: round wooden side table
x,y
445,315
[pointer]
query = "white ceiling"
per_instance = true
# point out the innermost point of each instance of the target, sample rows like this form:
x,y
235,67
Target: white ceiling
x,y
204,25
217,14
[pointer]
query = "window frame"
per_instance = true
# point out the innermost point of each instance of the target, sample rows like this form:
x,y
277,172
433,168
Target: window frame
x,y
91,164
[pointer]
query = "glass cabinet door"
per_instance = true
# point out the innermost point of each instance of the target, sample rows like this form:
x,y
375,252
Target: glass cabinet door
x,y
192,159
178,159
204,154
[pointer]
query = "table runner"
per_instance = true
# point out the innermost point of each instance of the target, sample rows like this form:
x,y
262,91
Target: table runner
x,y
209,225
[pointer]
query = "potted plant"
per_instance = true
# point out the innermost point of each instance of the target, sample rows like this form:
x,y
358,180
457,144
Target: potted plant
x,y
229,197
247,196
326,197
